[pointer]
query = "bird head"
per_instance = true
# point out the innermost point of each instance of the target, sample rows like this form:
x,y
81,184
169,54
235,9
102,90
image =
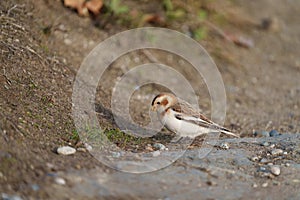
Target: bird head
x,y
163,101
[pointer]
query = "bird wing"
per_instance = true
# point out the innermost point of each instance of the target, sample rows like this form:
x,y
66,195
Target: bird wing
x,y
187,113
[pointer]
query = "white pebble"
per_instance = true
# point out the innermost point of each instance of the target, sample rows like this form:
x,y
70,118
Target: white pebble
x,y
265,184
276,151
66,150
88,147
255,158
67,41
224,145
60,181
81,149
275,170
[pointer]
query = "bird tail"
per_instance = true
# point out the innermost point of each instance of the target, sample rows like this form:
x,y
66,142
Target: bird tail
x,y
227,132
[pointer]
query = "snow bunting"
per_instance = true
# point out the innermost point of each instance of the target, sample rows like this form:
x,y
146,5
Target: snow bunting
x,y
181,118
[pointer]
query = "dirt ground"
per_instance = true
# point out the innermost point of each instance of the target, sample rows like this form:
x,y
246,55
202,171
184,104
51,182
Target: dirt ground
x,y
43,44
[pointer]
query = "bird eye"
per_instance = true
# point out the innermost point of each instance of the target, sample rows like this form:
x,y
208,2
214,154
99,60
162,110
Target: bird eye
x,y
158,103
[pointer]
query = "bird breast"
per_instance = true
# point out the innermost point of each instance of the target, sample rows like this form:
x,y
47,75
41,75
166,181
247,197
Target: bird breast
x,y
181,127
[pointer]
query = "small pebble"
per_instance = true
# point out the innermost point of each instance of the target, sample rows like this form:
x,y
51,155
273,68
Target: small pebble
x,y
5,196
60,181
66,150
287,164
88,147
261,134
155,153
67,41
273,133
262,169
224,145
254,185
265,144
116,154
159,146
149,148
265,184
285,153
35,187
255,158
264,160
276,152
272,145
81,149
275,170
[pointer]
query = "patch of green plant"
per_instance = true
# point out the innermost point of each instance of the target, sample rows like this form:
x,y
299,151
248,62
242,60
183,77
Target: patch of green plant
x,y
202,15
168,5
171,12
115,7
200,33
75,135
119,137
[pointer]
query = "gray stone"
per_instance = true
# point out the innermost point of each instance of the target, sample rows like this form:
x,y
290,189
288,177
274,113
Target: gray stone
x,y
5,196
116,154
265,144
275,170
261,134
273,133
264,160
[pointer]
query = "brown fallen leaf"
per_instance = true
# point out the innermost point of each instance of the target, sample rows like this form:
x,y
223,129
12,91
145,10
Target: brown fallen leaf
x,y
74,3
77,5
241,41
94,6
151,18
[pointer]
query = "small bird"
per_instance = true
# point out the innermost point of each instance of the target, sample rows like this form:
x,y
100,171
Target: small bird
x,y
180,117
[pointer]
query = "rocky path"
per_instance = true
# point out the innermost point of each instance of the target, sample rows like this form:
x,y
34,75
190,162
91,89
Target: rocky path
x,y
266,167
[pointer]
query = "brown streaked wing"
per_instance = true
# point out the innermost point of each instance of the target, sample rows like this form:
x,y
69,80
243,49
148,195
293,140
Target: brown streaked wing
x,y
186,109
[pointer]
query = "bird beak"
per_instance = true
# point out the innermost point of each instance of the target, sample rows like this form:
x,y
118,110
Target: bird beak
x,y
153,108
